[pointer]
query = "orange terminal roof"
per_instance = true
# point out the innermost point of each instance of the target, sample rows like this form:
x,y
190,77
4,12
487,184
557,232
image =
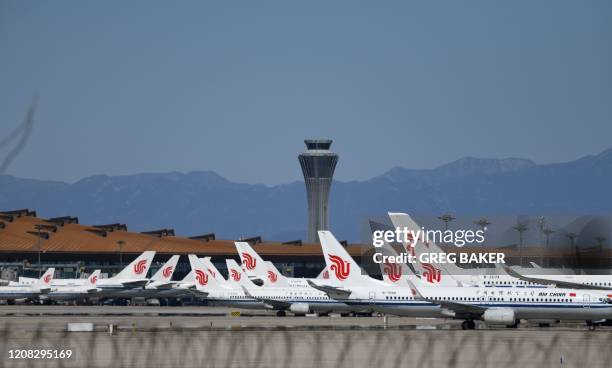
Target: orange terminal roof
x,y
20,235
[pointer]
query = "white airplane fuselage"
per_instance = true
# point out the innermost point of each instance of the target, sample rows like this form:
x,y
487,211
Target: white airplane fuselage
x,y
18,292
526,303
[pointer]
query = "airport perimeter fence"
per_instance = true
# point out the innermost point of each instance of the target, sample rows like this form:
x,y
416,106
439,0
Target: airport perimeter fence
x,y
311,348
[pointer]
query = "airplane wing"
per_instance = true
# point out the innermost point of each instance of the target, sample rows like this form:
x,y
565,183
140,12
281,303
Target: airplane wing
x,y
275,304
256,280
197,293
333,292
164,286
535,265
135,283
460,309
558,283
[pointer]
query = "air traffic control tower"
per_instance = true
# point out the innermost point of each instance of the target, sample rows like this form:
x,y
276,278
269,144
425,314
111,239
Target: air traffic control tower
x,y
318,164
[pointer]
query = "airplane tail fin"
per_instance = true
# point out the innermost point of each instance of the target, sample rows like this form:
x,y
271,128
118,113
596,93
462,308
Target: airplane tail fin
x,y
342,266
236,275
392,273
274,276
254,265
203,279
188,278
416,287
212,270
138,268
433,273
92,280
188,281
44,282
166,271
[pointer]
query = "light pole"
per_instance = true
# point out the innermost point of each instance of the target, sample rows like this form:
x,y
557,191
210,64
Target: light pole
x,y
120,244
447,217
483,223
572,237
547,232
38,228
541,225
521,228
600,240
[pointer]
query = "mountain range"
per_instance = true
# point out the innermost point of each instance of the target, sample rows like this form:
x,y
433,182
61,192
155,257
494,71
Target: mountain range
x,y
203,201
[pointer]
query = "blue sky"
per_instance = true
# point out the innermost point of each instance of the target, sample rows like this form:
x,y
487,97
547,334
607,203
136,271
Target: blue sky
x,y
130,87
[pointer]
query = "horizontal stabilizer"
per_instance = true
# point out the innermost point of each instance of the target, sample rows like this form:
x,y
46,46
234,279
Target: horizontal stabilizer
x,y
333,292
134,283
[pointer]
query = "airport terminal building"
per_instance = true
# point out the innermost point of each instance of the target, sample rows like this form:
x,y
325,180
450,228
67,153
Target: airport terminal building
x,y
73,248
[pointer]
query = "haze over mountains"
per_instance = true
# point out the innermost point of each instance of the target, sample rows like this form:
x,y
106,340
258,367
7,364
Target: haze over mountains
x,y
199,202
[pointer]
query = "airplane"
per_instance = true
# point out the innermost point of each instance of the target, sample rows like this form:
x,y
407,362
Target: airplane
x,y
240,292
184,287
229,294
258,269
287,293
160,285
507,306
492,305
283,297
73,292
41,286
132,276
440,273
162,279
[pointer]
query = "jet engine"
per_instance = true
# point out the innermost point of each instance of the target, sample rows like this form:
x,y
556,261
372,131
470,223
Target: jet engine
x,y
502,316
299,308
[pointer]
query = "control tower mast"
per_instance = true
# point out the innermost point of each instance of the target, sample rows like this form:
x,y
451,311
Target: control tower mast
x,y
318,164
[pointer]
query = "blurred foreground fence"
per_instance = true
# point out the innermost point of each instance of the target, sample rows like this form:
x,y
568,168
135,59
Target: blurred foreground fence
x,y
314,348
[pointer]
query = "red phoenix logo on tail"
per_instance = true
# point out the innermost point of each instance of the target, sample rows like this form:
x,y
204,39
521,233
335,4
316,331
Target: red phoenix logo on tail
x,y
393,271
93,279
272,277
201,277
235,275
140,266
47,279
431,273
341,268
249,261
167,272
410,245
212,273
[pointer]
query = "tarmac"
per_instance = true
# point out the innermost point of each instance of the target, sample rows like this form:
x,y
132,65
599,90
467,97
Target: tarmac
x,y
222,337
